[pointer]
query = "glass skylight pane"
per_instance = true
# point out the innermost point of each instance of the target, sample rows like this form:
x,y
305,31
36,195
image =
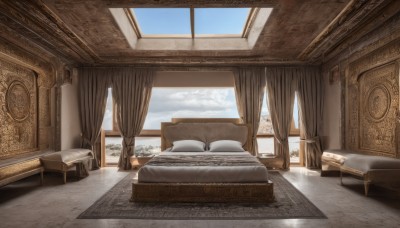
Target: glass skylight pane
x,y
220,20
163,21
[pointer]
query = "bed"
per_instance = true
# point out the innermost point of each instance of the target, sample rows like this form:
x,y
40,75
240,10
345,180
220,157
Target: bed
x,y
213,175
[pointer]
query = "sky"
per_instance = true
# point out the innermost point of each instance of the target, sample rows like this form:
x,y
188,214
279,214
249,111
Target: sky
x,y
166,103
177,20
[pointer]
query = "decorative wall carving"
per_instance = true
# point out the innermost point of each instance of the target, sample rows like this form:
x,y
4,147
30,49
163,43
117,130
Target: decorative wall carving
x,y
379,101
18,101
372,102
18,113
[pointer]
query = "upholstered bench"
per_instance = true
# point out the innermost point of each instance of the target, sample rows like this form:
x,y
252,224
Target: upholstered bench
x,y
21,166
62,161
372,169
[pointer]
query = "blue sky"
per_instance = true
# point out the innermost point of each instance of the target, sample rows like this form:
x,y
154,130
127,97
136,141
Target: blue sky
x,y
177,20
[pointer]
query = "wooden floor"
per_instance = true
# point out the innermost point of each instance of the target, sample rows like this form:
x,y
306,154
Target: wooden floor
x,y
26,204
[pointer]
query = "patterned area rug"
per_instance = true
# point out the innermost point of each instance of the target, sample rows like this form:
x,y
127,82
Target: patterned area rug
x,y
290,203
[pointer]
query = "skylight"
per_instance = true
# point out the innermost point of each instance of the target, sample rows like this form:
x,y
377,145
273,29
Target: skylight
x,y
163,21
191,22
220,20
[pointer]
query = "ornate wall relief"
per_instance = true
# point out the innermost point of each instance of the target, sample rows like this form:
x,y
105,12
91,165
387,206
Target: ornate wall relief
x,y
379,101
372,102
18,113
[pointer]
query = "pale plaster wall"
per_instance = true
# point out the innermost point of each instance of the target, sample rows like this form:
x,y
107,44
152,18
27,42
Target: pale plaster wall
x,y
331,116
70,123
194,79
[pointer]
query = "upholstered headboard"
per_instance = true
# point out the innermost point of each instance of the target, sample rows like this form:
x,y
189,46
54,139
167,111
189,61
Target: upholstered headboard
x,y
205,130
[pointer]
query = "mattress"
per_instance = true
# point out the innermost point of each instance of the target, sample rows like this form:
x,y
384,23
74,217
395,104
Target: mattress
x,y
203,167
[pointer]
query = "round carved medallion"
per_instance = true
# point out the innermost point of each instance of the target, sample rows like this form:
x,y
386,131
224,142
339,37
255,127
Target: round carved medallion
x,y
378,102
18,101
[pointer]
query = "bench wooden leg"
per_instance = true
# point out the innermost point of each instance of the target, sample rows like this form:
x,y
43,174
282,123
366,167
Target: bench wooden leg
x,y
65,177
366,187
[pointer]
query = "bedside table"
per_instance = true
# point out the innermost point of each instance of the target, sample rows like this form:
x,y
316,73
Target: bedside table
x,y
138,162
271,161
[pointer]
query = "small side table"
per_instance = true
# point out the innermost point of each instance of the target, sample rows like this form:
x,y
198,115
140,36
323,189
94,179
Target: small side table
x,y
138,162
271,161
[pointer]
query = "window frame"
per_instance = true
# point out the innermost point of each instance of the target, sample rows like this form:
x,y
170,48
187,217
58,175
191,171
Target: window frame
x,y
294,132
245,31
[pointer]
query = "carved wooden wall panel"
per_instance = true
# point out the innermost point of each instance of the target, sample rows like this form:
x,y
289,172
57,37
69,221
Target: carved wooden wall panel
x,y
372,102
379,101
18,113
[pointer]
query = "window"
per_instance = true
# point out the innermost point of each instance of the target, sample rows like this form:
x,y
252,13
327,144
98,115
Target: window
x,y
167,103
190,102
191,22
108,114
265,135
220,20
163,21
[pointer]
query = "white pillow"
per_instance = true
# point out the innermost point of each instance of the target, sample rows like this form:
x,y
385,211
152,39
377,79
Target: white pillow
x,y
226,146
188,146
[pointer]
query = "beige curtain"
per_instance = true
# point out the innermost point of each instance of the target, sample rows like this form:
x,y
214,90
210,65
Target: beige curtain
x,y
93,86
281,86
249,88
131,93
310,96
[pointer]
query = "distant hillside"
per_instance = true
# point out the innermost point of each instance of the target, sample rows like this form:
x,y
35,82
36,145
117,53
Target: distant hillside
x,y
115,149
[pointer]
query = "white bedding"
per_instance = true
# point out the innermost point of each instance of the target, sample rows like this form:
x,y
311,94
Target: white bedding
x,y
204,174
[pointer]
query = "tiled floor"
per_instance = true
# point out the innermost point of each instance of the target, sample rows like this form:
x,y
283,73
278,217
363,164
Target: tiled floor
x,y
26,204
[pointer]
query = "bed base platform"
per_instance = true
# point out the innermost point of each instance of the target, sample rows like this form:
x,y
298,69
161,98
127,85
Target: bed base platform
x,y
203,192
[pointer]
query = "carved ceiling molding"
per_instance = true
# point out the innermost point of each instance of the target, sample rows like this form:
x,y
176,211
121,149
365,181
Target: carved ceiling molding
x,y
30,41
66,32
342,26
221,61
34,20
385,33
188,3
28,45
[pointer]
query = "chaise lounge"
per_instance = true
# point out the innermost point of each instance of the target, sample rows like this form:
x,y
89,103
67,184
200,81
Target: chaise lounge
x,y
372,169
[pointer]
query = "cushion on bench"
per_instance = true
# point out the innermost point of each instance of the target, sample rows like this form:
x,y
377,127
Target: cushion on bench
x,y
63,160
336,155
366,163
67,156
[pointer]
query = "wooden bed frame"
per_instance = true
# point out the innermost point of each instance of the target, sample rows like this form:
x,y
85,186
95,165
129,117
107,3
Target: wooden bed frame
x,y
202,192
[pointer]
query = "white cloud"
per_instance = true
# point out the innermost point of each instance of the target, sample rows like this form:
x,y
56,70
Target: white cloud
x,y
167,103
189,102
